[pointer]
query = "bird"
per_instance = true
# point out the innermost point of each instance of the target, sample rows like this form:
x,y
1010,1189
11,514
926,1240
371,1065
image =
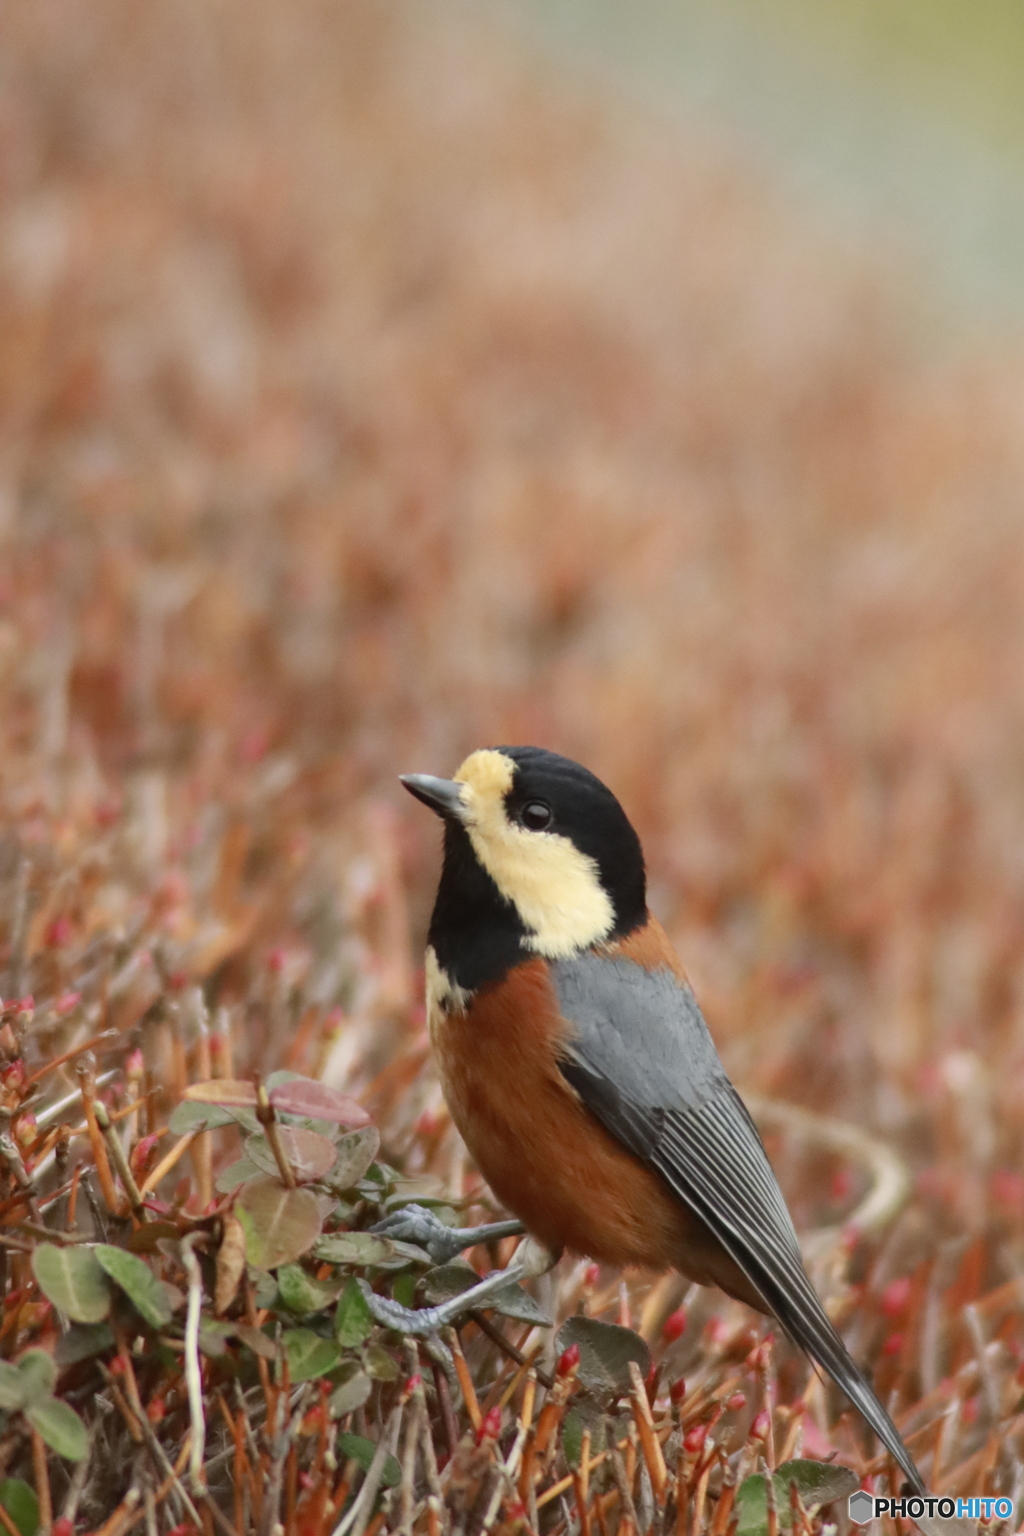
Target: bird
x,y
577,1065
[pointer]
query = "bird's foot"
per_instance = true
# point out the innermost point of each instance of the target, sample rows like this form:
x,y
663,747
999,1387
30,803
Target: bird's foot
x,y
415,1224
531,1259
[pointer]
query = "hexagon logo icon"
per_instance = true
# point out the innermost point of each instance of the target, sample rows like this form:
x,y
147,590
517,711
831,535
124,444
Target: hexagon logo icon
x,y
862,1506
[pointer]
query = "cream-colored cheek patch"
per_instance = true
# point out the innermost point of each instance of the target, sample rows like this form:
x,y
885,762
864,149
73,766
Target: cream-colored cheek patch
x,y
487,776
555,888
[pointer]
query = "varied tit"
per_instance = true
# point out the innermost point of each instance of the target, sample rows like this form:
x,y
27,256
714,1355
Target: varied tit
x,y
576,1062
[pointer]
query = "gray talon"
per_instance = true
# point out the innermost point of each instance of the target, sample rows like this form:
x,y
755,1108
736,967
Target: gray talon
x,y
415,1224
420,1323
531,1259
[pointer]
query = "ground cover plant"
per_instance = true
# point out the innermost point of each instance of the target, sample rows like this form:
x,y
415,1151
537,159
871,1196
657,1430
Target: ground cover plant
x,y
369,393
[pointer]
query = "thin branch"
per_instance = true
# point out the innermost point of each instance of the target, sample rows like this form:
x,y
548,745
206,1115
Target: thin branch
x,y
268,1120
124,1171
193,1369
496,1336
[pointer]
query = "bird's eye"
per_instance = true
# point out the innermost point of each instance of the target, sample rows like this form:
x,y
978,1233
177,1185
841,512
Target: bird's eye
x,y
535,816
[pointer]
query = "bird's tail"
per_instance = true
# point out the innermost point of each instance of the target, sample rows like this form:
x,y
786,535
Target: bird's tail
x,y
802,1315
703,1158
787,1295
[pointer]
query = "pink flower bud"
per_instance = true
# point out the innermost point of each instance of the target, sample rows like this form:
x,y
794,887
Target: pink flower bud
x,y
895,1296
674,1326
569,1361
13,1075
59,932
693,1440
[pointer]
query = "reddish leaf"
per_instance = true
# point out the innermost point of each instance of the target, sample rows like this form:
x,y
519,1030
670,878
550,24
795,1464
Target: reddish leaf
x,y
303,1096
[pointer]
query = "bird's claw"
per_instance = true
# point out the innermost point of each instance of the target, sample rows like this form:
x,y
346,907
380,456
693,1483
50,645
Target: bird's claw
x,y
416,1224
422,1322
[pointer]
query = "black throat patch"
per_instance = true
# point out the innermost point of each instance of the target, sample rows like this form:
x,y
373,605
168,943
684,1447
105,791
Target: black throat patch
x,y
476,934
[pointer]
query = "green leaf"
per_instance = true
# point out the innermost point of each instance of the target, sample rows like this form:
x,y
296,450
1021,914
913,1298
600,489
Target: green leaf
x,y
82,1341
280,1224
375,1182
404,1254
403,1289
301,1293
265,1288
362,1452
187,1116
752,1506
605,1353
38,1372
213,1337
360,1248
581,1416
60,1427
350,1394
449,1280
355,1153
308,1354
281,1076
515,1302
12,1387
353,1320
379,1364
73,1279
309,1156
134,1276
21,1504
572,1438
818,1483
423,1188
235,1175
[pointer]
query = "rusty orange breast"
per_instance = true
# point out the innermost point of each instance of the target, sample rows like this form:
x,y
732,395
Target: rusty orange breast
x,y
541,1151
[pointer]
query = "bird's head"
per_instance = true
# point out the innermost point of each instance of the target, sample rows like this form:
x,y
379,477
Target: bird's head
x,y
537,850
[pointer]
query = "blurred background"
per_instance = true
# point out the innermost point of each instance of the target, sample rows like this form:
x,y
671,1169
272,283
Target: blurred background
x,y
902,125
381,381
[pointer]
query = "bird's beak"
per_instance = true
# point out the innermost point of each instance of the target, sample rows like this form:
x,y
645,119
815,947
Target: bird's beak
x,y
442,795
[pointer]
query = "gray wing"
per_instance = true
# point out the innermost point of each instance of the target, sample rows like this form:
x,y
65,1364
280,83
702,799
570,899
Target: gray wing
x,y
642,1060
